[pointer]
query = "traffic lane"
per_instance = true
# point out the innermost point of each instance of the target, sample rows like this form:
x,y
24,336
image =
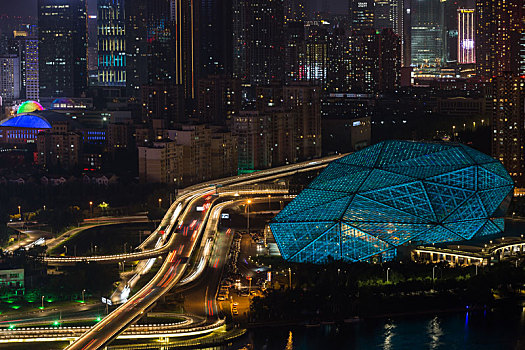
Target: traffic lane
x,y
171,272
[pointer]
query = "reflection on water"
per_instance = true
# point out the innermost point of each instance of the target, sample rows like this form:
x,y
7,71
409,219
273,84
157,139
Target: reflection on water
x,y
389,334
501,329
435,332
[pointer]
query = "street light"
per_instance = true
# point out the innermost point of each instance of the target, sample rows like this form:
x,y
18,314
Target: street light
x,y
249,201
42,302
20,212
91,208
65,247
433,273
269,203
387,270
83,291
160,202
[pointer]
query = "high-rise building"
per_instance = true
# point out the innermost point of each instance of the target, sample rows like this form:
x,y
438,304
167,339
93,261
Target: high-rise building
x,y
264,42
219,99
185,19
215,37
62,47
294,51
294,11
111,43
427,33
149,44
466,32
9,77
316,58
386,14
497,37
163,100
361,14
338,77
32,80
506,96
403,29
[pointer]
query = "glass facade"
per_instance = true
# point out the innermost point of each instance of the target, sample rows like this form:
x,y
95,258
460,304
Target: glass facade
x,y
368,203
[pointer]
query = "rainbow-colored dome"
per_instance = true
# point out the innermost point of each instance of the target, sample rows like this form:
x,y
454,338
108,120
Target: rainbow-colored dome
x,y
29,106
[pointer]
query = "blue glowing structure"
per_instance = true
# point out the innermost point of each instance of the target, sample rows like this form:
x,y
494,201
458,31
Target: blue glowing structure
x,y
27,121
370,202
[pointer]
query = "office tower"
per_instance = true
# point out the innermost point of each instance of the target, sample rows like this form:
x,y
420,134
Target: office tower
x,y
9,77
162,100
264,41
427,33
111,43
219,99
62,47
149,44
374,61
31,70
185,19
294,51
506,96
466,53
215,37
404,30
294,11
316,58
386,14
497,37
338,77
361,14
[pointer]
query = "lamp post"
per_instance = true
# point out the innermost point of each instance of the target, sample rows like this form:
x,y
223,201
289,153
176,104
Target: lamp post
x,y
91,208
269,203
248,202
42,302
65,247
160,202
290,277
250,285
387,270
433,273
83,291
20,212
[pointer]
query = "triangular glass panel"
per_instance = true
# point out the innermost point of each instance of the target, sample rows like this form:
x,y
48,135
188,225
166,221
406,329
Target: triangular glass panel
x,y
292,237
470,210
465,229
396,152
331,211
445,199
306,200
368,210
438,234
366,157
392,233
380,178
357,245
488,229
410,197
326,246
489,180
461,178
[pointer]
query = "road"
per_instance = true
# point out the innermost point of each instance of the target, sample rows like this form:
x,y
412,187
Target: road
x,y
182,243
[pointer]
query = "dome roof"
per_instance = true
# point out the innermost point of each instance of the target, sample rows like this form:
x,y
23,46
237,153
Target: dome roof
x,y
27,121
368,203
29,106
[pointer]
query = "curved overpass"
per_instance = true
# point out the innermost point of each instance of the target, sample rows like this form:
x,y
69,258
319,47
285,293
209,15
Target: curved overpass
x,y
181,247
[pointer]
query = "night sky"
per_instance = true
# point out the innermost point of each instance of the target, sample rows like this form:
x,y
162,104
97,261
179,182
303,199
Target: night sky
x,y
28,7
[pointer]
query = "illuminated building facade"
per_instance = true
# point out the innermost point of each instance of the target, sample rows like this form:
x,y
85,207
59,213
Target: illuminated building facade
x,y
497,37
466,52
10,79
111,43
427,33
506,97
361,14
366,204
62,27
185,19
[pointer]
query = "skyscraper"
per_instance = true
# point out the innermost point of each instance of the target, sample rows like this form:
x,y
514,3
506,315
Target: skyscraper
x,y
497,37
506,96
111,43
185,18
466,53
62,47
9,77
149,44
215,37
427,33
264,40
361,14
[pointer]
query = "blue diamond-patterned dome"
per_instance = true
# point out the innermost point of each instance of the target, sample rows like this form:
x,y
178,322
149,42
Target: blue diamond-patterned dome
x,y
368,203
